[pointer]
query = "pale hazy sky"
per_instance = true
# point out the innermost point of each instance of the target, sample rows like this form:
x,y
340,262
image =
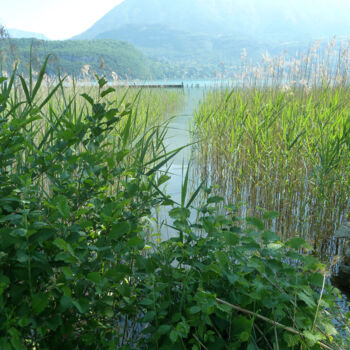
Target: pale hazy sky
x,y
57,19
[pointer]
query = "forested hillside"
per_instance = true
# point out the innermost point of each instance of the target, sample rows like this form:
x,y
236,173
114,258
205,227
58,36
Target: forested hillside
x,y
80,57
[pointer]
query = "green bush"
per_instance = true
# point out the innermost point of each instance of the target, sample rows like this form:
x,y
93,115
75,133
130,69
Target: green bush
x,y
74,192
222,286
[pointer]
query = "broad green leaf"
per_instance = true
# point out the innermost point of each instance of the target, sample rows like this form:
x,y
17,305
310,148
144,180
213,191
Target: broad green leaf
x,y
179,213
3,255
268,215
269,237
61,203
109,312
215,199
117,273
82,305
39,303
94,277
291,339
183,329
149,316
244,336
297,243
316,279
16,342
195,309
231,238
66,302
107,91
88,98
67,272
147,302
275,246
11,218
54,321
330,329
313,337
255,222
173,335
4,283
120,229
307,299
101,81
122,154
164,329
22,256
62,244
19,232
224,308
136,242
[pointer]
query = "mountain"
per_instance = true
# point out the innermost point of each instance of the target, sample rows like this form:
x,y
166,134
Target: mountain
x,y
268,19
160,42
195,32
72,57
21,34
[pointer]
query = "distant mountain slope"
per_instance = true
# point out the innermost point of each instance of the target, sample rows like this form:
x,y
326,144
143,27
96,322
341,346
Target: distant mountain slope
x,y
268,19
161,42
103,57
22,34
197,32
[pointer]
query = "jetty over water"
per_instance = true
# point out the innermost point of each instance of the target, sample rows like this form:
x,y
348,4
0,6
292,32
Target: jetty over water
x,y
153,86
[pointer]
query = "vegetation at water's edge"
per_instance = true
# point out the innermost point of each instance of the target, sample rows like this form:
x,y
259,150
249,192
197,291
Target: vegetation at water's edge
x,y
281,142
79,268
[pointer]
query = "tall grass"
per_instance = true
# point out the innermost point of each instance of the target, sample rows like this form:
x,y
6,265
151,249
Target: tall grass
x,y
280,141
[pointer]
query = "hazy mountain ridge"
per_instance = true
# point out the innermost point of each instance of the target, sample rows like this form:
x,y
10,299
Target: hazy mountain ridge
x,y
72,57
22,34
158,41
218,30
294,20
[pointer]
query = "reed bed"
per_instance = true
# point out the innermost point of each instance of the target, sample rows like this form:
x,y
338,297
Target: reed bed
x,y
155,104
280,141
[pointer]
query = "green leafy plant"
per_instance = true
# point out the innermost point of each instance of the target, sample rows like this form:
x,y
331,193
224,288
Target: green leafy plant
x,y
76,187
222,286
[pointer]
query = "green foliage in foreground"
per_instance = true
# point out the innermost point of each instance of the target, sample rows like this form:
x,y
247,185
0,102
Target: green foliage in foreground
x,y
70,56
77,267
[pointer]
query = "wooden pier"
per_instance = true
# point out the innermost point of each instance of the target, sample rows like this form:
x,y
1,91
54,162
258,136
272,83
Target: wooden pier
x,y
153,86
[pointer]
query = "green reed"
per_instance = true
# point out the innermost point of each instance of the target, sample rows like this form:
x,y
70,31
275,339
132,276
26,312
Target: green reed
x,y
282,151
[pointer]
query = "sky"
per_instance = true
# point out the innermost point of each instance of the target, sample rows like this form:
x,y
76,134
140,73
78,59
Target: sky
x,y
56,19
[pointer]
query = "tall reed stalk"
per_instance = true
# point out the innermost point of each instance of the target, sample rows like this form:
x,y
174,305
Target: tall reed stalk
x,y
280,141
